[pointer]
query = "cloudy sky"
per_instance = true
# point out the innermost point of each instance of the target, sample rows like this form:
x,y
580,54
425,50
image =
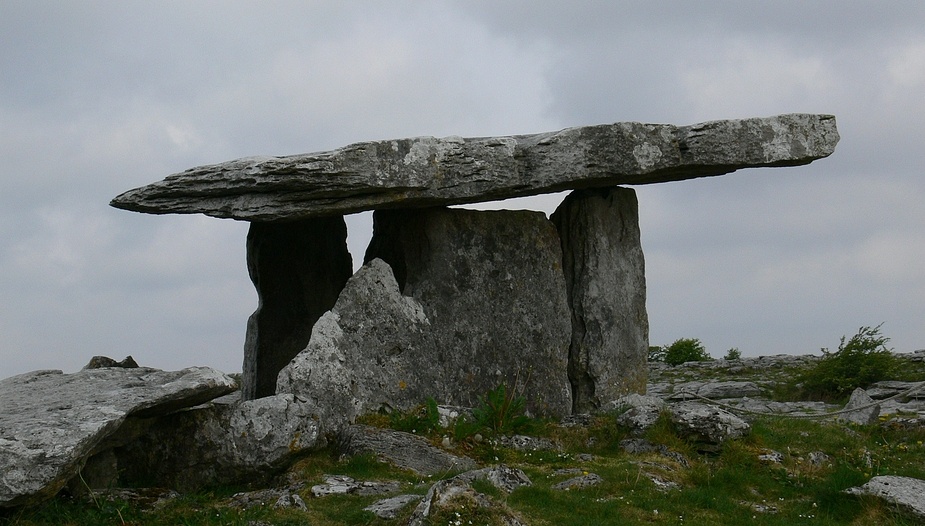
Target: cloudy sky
x,y
100,97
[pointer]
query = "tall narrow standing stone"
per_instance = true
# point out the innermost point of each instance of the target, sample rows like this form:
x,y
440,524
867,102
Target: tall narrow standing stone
x,y
299,269
605,279
491,285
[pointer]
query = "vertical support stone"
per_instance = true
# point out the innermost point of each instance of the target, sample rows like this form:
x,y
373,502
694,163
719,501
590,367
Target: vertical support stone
x,y
491,285
299,268
605,279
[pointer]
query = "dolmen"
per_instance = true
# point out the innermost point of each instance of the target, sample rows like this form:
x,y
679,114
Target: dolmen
x,y
450,302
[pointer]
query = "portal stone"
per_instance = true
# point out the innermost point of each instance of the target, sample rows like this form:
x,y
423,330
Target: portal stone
x,y
605,279
299,269
492,288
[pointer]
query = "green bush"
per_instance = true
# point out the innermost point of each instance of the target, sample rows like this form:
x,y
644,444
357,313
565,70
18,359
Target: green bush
x,y
733,354
686,350
859,362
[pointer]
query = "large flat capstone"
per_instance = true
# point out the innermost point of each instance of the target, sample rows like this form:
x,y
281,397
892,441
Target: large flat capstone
x,y
51,422
427,171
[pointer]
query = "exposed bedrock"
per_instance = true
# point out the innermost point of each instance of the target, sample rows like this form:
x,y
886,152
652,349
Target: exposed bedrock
x,y
427,171
299,268
492,288
606,285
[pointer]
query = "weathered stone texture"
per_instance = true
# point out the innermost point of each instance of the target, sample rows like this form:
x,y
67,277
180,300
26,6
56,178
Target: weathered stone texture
x,y
219,444
401,449
605,280
299,269
906,493
51,422
492,288
370,352
425,171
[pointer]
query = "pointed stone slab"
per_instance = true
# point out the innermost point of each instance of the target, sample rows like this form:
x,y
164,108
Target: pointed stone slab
x,y
427,171
51,422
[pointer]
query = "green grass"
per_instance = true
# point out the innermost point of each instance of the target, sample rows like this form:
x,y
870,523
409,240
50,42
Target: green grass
x,y
726,487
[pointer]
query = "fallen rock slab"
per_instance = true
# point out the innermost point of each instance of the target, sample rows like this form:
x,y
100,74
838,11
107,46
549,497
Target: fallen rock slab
x,y
389,508
50,422
401,449
906,493
426,171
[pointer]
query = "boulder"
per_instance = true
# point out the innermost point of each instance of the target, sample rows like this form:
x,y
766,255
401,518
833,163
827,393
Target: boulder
x,y
371,352
606,285
491,286
861,408
51,423
400,449
425,171
299,268
220,444
706,424
906,493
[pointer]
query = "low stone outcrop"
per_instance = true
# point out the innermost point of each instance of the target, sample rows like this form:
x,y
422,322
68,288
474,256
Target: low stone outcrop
x,y
426,171
906,493
458,491
492,288
51,423
223,443
606,285
401,449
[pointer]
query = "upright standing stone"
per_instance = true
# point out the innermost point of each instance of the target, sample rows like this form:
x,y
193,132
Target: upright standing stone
x,y
491,286
605,279
299,269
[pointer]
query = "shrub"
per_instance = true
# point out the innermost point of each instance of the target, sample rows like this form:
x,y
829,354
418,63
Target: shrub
x,y
686,350
733,354
859,362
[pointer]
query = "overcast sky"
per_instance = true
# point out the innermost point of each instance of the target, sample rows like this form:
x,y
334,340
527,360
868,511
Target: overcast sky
x,y
100,97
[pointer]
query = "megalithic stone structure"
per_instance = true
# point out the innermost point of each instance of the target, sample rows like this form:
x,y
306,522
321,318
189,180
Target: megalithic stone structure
x,y
608,333
425,171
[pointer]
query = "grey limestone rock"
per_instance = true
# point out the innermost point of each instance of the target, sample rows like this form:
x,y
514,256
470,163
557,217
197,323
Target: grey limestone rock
x,y
715,390
426,171
605,280
638,412
861,408
221,443
579,482
492,289
343,485
904,492
458,490
51,423
370,352
299,268
98,362
401,449
709,425
389,508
